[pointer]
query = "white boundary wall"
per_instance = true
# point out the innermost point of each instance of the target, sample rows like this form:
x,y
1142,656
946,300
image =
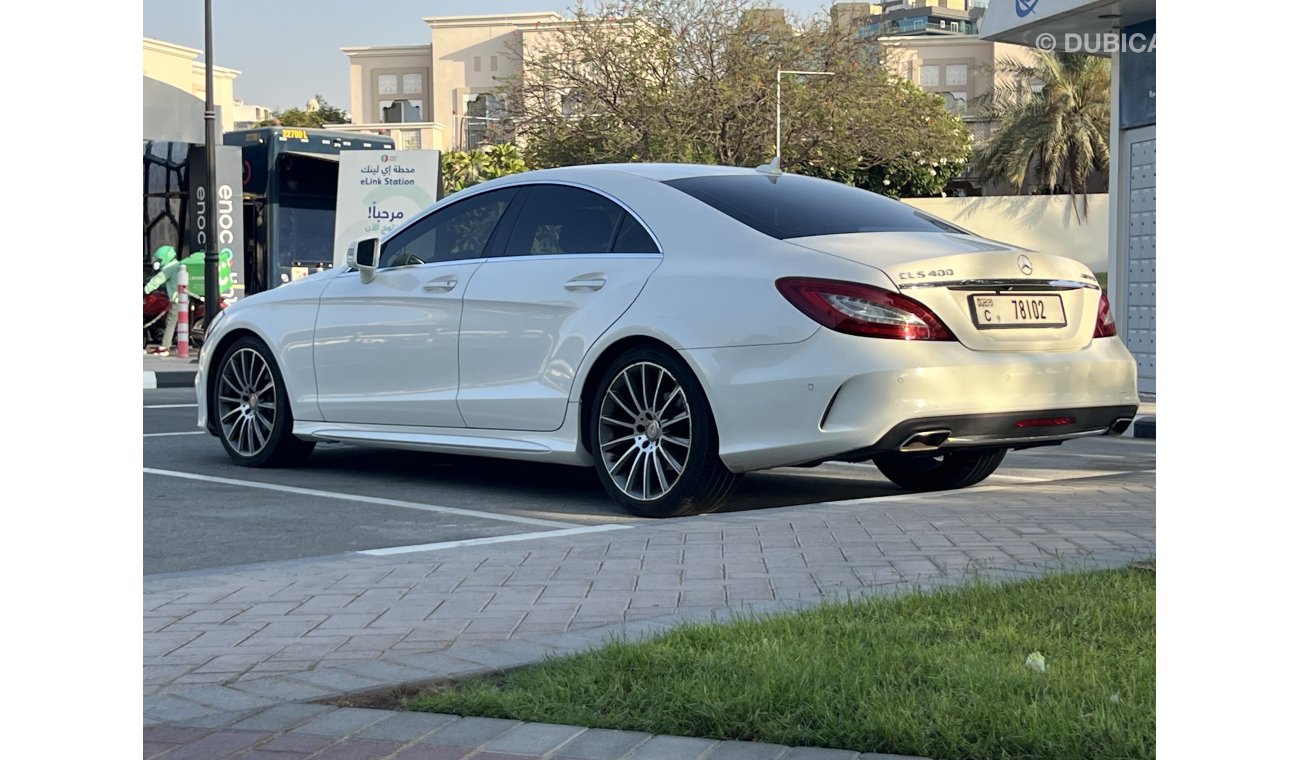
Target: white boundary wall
x,y
1044,223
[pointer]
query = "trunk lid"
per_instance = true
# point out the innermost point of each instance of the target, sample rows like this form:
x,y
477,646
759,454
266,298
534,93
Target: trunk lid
x,y
993,296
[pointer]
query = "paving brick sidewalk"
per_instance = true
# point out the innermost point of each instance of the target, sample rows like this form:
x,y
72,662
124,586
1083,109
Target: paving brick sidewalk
x,y
234,660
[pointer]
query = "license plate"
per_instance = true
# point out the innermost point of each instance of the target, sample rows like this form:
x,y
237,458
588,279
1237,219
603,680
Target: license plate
x,y
994,312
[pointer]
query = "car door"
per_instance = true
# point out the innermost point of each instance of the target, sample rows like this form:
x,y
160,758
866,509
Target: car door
x,y
386,350
573,263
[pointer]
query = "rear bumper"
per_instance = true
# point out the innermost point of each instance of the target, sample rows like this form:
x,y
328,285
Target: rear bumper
x,y
837,395
1004,430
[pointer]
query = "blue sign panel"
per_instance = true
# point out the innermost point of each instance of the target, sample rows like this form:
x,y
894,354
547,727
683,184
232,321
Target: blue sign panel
x,y
1137,76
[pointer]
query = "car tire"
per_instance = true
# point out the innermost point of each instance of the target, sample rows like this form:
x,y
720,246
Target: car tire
x,y
653,437
254,432
940,472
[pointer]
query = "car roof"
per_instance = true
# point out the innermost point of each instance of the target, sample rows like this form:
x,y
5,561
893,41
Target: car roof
x,y
657,172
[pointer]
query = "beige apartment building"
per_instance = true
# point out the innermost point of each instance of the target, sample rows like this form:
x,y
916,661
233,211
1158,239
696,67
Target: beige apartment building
x,y
442,95
178,66
962,68
894,17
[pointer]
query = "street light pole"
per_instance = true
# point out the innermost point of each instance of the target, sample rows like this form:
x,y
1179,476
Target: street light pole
x,y
780,73
211,285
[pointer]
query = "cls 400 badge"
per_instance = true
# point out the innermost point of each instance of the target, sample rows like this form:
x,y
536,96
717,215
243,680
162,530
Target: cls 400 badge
x,y
922,274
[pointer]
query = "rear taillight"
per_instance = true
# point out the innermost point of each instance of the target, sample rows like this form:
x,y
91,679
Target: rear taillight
x,y
1105,320
856,309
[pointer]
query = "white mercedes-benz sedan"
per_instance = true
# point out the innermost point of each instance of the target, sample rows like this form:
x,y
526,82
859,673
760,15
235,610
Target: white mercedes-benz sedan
x,y
675,326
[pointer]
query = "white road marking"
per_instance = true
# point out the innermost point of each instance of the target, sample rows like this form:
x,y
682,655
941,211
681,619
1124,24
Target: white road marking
x,y
1069,454
491,540
1000,476
1052,474
170,406
150,381
362,499
183,432
973,489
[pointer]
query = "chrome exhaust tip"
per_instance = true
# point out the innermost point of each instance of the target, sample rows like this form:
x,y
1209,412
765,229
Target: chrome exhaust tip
x,y
1119,426
926,440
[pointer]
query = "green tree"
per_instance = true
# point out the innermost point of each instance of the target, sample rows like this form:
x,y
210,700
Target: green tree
x,y
455,170
695,81
1059,135
462,169
501,160
313,119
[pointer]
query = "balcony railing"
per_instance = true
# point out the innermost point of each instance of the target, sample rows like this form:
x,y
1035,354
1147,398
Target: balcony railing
x,y
409,135
908,26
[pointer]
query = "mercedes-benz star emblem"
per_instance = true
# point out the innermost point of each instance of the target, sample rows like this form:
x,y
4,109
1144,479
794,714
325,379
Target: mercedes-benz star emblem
x,y
1026,266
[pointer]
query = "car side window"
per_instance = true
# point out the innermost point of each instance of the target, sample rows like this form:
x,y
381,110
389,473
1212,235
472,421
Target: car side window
x,y
560,219
459,231
633,238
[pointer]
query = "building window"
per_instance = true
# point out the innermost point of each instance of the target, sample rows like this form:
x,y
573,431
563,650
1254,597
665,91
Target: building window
x,y
398,96
956,102
478,63
929,76
410,139
571,104
401,111
483,113
492,63
954,75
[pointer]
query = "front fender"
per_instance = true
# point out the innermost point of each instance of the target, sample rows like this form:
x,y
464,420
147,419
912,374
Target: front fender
x,y
285,320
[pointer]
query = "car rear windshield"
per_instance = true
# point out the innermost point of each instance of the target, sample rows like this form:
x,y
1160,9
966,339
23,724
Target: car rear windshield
x,y
792,206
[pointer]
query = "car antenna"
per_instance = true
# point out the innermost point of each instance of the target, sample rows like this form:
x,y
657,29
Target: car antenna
x,y
770,170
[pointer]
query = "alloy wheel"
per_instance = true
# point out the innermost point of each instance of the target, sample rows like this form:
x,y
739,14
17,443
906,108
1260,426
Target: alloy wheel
x,y
246,401
644,431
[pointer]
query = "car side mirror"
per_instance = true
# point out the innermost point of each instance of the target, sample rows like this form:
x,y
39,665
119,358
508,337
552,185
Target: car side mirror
x,y
363,255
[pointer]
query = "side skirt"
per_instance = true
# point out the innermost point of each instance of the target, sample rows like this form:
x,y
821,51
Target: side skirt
x,y
559,446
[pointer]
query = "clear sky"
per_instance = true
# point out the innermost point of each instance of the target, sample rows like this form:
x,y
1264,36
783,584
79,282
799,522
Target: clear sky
x,y
289,51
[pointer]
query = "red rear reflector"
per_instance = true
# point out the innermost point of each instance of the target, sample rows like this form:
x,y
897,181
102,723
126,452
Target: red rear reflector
x,y
1045,422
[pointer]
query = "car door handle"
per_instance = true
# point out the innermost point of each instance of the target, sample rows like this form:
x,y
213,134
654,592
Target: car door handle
x,y
442,284
593,281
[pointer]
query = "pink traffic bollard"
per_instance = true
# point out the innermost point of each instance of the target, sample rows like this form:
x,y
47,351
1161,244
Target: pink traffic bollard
x,y
183,321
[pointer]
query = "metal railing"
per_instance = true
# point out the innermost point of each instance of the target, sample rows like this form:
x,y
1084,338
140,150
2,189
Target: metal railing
x,y
407,135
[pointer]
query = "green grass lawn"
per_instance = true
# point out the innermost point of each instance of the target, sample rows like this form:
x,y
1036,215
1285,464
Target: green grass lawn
x,y
939,674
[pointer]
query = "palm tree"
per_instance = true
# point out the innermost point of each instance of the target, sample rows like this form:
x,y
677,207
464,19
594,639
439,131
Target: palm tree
x,y
1058,135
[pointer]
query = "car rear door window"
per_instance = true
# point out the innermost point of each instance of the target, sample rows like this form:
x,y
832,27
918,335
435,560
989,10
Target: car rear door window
x,y
459,231
557,219
792,206
632,237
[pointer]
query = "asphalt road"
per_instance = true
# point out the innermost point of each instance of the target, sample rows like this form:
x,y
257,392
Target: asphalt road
x,y
201,511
